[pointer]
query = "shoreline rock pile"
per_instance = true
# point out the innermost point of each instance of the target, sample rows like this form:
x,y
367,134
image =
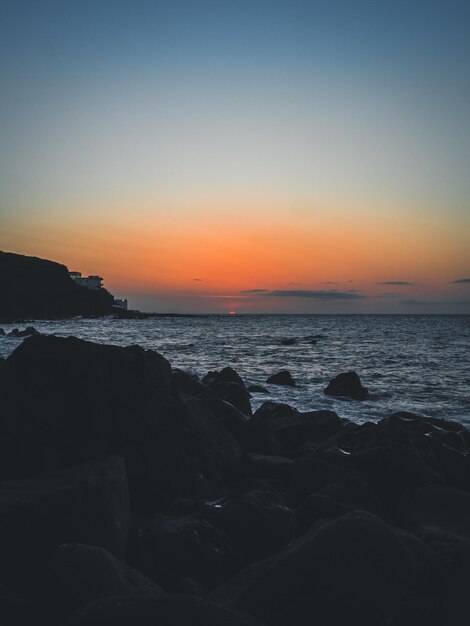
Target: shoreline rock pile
x,y
134,493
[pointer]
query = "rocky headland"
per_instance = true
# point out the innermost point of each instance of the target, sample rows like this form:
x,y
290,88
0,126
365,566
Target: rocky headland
x,y
132,493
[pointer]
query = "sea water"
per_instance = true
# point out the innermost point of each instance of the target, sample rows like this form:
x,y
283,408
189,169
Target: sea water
x,y
408,362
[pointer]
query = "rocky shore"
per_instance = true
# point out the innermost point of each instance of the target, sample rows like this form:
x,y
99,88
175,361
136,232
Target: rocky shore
x,y
136,494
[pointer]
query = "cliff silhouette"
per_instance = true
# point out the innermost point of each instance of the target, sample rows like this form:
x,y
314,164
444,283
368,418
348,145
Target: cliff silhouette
x,y
34,288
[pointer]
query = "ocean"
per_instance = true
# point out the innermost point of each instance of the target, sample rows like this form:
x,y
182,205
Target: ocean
x,y
408,362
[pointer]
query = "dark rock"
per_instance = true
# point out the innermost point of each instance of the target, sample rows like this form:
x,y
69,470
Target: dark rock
x,y
34,288
393,469
226,375
171,549
79,574
316,507
257,389
125,404
271,410
289,342
2,360
83,504
234,393
259,522
187,383
2,332
27,332
264,466
295,429
282,378
352,570
311,474
234,420
436,512
16,610
356,493
174,610
347,385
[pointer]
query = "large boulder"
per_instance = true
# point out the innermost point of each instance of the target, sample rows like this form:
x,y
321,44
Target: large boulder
x,y
78,574
171,550
284,377
347,385
87,504
226,375
64,401
174,610
259,522
264,466
352,570
236,394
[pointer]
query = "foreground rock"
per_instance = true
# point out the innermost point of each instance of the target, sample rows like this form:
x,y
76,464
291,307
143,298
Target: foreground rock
x,y
347,385
167,611
88,504
354,569
65,401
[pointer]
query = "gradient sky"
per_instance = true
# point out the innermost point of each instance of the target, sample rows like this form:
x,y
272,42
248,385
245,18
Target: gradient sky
x,y
260,156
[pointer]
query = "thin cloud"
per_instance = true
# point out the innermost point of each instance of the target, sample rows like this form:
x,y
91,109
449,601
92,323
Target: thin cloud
x,y
404,283
330,294
416,302
388,294
198,280
255,291
328,282
462,281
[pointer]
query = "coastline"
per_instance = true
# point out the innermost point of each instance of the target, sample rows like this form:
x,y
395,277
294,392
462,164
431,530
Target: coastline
x,y
255,517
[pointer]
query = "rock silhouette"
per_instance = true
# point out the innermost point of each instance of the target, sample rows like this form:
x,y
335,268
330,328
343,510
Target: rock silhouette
x,y
131,493
282,378
347,385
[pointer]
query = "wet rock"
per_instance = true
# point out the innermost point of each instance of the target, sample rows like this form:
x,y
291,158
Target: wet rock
x,y
259,522
354,569
2,332
125,404
347,385
283,377
168,611
83,504
226,375
78,574
257,389
264,466
269,411
289,342
171,549
187,383
234,393
234,420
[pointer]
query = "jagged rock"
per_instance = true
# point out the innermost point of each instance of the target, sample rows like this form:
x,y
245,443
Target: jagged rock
x,y
88,504
27,332
259,522
264,466
173,610
234,393
226,375
257,389
79,574
124,404
347,385
282,378
354,569
171,549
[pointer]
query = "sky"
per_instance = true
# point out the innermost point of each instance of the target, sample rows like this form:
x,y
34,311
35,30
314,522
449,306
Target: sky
x,y
257,156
